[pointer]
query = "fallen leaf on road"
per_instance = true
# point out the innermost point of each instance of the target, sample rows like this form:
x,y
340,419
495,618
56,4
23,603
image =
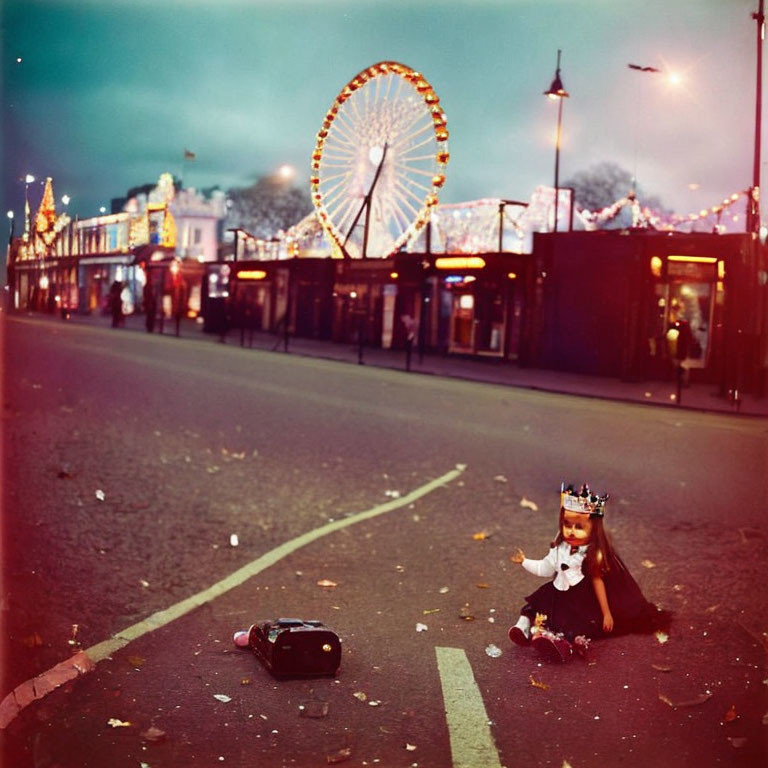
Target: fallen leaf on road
x,y
661,668
100,495
730,715
222,697
340,756
700,699
374,703
245,681
662,637
410,747
500,479
392,494
360,695
327,583
233,540
481,535
427,611
482,586
712,608
461,467
153,734
421,627
115,723
466,614
537,683
647,563
528,504
444,590
136,661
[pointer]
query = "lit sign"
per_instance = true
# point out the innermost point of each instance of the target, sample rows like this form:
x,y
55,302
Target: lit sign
x,y
512,275
693,259
251,274
459,262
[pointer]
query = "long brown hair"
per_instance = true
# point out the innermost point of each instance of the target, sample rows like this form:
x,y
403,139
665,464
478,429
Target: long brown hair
x,y
600,555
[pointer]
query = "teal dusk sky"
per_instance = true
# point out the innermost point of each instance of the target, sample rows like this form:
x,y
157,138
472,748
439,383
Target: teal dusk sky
x,y
108,94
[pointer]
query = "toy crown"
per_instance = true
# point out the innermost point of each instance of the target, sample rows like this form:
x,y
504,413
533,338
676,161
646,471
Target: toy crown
x,y
583,500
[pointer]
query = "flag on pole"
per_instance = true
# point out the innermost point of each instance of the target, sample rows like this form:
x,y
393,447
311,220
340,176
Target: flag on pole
x,y
188,155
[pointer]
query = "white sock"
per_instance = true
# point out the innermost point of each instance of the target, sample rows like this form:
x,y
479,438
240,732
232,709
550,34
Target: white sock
x,y
524,624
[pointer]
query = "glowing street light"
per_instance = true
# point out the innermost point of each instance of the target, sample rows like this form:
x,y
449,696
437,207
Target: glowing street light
x,y
10,220
286,172
65,199
558,92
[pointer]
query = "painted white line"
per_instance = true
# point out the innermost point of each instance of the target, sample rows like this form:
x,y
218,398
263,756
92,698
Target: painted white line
x,y
86,660
471,740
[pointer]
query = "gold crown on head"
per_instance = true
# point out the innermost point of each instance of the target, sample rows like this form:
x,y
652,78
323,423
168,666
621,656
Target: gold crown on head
x,y
583,500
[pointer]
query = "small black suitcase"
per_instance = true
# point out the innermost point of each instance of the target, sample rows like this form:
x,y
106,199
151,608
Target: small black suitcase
x,y
295,648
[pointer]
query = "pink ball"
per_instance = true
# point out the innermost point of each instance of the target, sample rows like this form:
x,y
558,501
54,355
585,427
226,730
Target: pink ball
x,y
241,638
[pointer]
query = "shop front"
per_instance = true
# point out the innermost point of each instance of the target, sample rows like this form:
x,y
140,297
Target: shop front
x,y
364,301
477,304
687,298
642,304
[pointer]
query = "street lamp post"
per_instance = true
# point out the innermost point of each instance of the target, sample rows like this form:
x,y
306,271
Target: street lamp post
x,y
557,91
753,211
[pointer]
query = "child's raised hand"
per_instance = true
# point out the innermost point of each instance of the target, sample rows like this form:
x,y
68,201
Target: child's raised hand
x,y
517,556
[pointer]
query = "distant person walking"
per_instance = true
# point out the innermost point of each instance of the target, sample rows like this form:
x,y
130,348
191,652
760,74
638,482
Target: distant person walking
x,y
116,303
150,305
409,324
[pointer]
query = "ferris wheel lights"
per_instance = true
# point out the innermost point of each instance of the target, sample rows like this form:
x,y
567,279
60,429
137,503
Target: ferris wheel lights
x,y
395,116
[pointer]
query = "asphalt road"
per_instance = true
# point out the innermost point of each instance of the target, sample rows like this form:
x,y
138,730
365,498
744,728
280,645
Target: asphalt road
x,y
129,461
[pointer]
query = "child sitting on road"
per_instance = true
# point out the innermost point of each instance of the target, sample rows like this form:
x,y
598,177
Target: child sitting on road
x,y
592,594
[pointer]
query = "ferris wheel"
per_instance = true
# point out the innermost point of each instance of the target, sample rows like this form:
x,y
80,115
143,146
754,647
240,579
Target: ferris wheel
x,y
379,160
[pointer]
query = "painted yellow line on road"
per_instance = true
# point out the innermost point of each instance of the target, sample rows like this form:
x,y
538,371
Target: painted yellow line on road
x,y
471,740
85,661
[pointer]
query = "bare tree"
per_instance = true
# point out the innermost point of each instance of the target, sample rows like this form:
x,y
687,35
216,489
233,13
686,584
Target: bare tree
x,y
266,207
603,184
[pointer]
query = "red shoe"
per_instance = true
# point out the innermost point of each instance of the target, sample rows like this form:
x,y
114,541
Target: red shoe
x,y
551,647
518,637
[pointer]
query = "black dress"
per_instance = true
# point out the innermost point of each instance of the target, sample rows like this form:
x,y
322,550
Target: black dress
x,y
575,611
